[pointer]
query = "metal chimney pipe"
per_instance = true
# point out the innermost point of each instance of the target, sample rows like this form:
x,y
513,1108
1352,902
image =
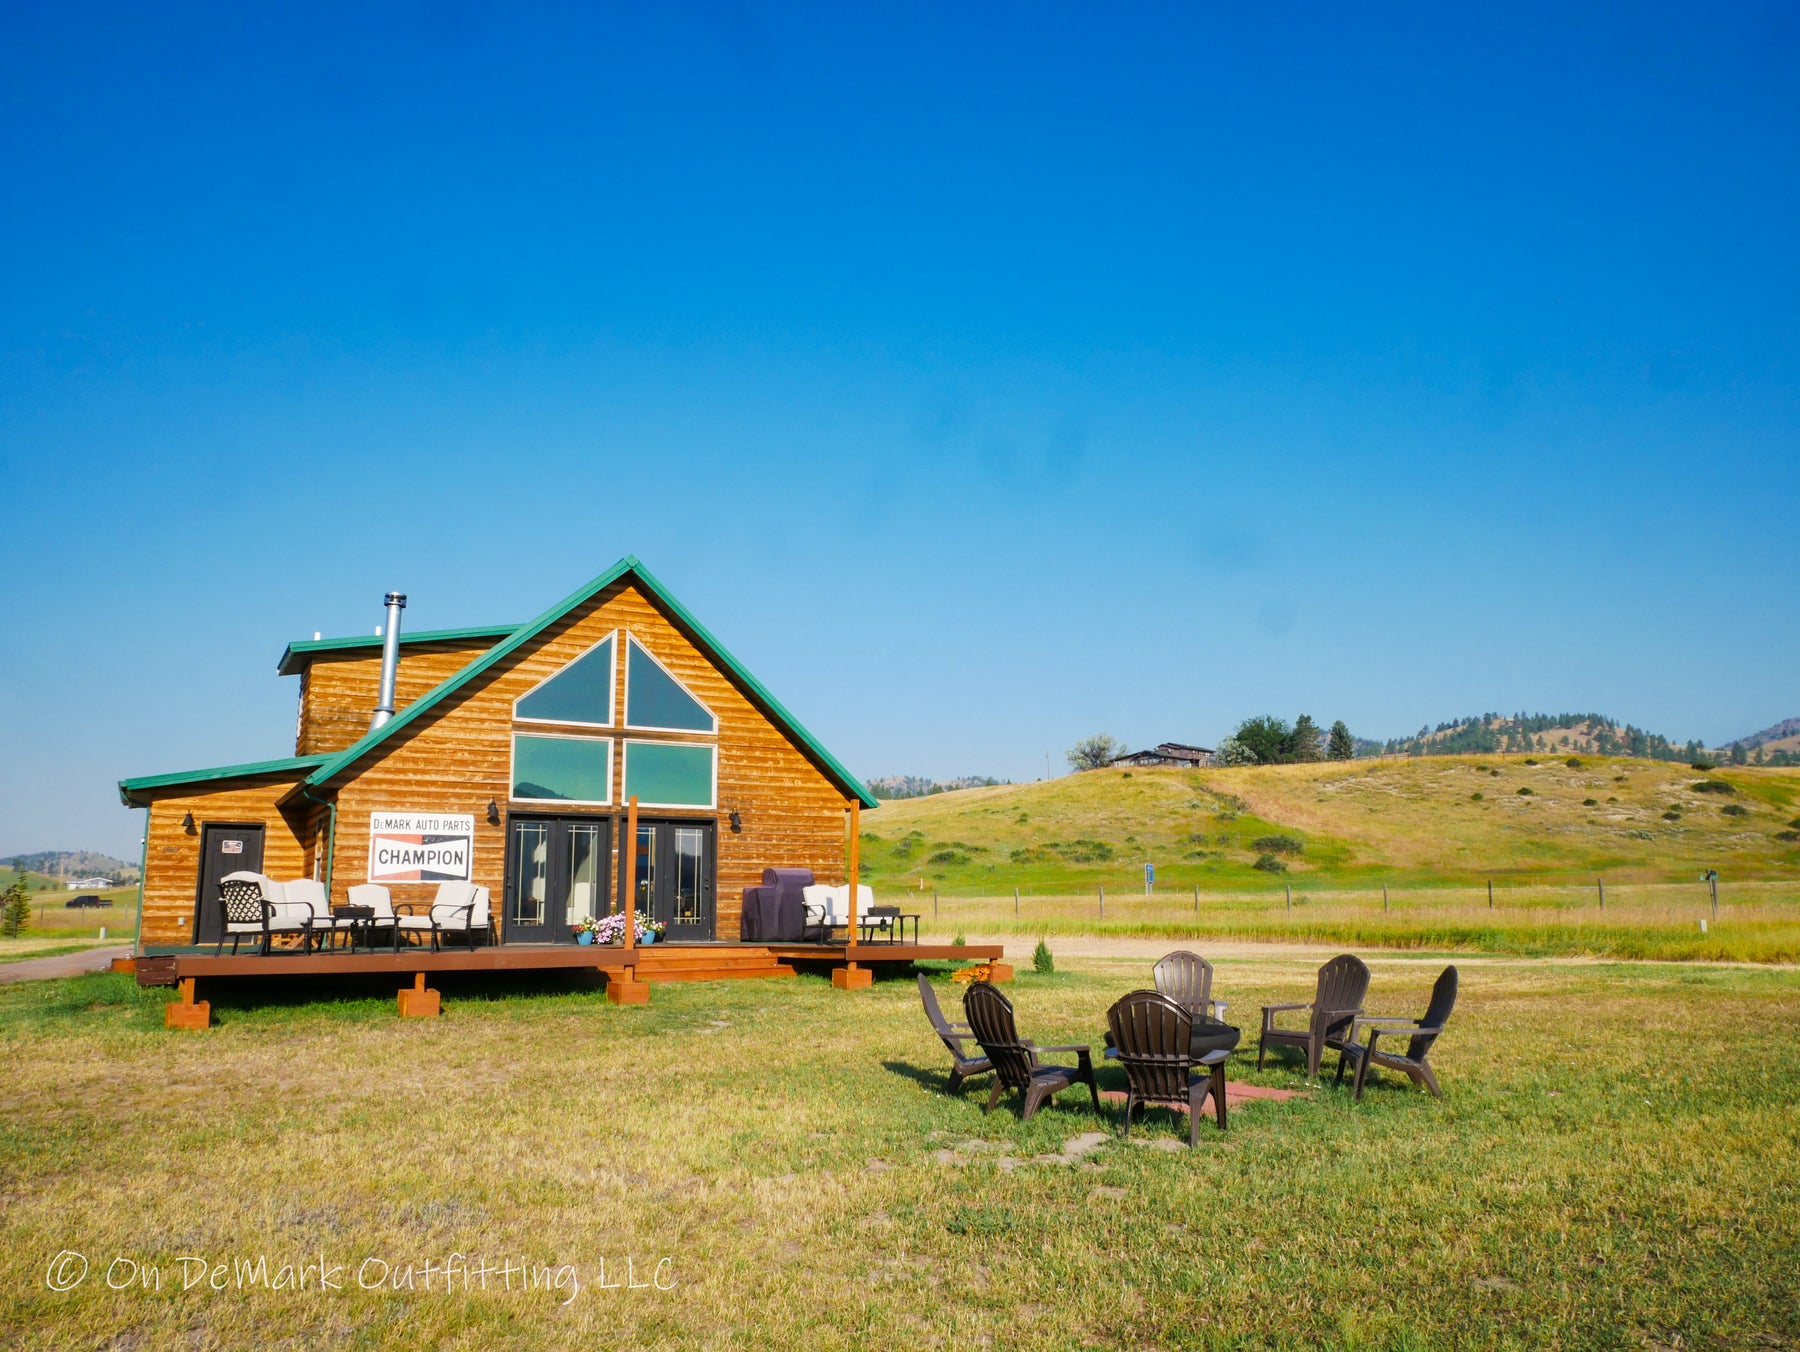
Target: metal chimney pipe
x,y
390,659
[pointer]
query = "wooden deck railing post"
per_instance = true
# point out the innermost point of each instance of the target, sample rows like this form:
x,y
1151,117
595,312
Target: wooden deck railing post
x,y
625,988
850,976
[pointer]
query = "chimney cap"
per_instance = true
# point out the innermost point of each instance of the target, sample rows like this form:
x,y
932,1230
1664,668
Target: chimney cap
x,y
396,599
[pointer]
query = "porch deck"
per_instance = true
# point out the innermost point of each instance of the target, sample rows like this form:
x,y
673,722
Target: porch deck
x,y
649,962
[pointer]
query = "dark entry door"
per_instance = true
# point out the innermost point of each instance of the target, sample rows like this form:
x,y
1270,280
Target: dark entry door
x,y
557,875
225,847
675,877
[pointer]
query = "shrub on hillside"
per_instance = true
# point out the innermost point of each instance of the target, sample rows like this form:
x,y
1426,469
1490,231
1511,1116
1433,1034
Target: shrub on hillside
x,y
1702,766
1735,810
1524,791
948,857
1277,845
1574,762
1712,786
1530,761
1477,796
1795,823
1787,835
1671,816
1590,802
1268,863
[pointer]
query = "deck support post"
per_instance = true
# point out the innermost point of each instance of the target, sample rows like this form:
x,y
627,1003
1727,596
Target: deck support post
x,y
418,1003
624,988
187,1012
999,971
851,977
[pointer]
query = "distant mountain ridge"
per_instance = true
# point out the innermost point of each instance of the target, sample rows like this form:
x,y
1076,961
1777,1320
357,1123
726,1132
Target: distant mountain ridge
x,y
916,786
1786,732
1492,733
73,864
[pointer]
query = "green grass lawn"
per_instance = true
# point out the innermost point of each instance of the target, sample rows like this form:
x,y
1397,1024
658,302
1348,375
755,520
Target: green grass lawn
x,y
1616,1165
57,929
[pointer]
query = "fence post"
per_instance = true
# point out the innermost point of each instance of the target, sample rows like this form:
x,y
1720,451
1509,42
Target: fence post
x,y
1290,895
1713,883
1103,901
1015,901
1601,884
1384,898
1196,898
1490,894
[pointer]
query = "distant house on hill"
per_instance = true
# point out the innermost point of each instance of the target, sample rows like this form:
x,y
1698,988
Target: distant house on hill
x,y
1167,754
78,884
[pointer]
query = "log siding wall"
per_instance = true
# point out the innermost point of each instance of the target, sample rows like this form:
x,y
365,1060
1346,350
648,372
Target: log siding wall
x,y
172,857
338,693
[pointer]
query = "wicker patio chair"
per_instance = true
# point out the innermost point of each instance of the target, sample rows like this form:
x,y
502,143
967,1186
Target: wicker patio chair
x,y
1424,1031
247,910
1015,1062
1338,1000
1153,1037
955,1036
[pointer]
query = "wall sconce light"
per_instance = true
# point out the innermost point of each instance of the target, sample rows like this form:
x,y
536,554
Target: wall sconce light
x,y
493,813
737,822
187,824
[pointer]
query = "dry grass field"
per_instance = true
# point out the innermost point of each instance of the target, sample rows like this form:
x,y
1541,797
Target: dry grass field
x,y
57,929
1616,1165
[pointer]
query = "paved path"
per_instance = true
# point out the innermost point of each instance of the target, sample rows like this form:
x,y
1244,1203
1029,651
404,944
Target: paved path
x,y
63,964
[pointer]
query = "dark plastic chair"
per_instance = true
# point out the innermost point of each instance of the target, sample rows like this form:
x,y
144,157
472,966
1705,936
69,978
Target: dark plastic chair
x,y
1342,984
1424,1032
1153,1036
990,1016
956,1037
1186,978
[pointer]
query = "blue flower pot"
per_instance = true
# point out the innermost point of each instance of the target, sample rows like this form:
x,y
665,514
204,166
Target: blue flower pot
x,y
585,937
648,939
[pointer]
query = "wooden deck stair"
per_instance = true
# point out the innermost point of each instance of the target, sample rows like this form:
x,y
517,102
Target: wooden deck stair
x,y
678,963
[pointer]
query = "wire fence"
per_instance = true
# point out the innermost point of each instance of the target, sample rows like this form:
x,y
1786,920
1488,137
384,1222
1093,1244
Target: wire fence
x,y
1750,920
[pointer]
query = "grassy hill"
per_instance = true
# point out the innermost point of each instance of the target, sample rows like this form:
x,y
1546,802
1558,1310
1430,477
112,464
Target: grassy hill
x,y
1435,820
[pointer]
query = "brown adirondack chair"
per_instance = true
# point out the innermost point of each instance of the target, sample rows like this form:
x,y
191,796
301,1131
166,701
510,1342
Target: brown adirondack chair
x,y
1186,978
1424,1032
956,1037
1015,1062
1152,1035
1338,1000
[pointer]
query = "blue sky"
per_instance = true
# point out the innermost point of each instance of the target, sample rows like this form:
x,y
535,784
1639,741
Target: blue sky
x,y
983,376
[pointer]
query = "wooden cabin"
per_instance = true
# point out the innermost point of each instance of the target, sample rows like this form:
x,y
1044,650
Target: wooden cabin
x,y
508,761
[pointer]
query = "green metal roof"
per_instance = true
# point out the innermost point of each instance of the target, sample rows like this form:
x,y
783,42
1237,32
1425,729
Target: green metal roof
x,y
300,651
292,765
628,565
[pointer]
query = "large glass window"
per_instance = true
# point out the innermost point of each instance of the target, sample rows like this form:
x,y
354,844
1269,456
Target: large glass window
x,y
562,769
670,774
581,692
655,699
586,860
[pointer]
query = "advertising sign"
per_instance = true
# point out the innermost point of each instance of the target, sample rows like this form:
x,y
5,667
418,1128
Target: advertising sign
x,y
420,847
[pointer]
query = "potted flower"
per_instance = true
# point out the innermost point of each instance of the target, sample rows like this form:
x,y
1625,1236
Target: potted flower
x,y
649,931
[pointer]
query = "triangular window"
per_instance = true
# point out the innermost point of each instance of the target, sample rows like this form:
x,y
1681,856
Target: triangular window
x,y
655,699
581,692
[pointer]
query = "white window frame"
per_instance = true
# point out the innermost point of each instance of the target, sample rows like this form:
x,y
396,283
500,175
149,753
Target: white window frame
x,y
681,685
625,770
612,690
612,759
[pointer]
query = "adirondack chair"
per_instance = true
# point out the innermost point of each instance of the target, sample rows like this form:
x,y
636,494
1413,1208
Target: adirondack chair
x,y
990,1016
1186,978
1338,1000
1424,1032
1153,1035
956,1037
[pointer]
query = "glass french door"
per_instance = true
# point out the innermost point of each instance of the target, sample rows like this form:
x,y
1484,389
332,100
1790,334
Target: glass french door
x,y
674,880
556,877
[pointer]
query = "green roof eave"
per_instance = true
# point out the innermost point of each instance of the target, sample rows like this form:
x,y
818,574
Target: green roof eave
x,y
525,633
291,765
301,651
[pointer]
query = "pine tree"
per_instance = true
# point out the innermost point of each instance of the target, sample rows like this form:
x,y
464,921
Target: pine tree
x,y
15,907
1303,741
1341,746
